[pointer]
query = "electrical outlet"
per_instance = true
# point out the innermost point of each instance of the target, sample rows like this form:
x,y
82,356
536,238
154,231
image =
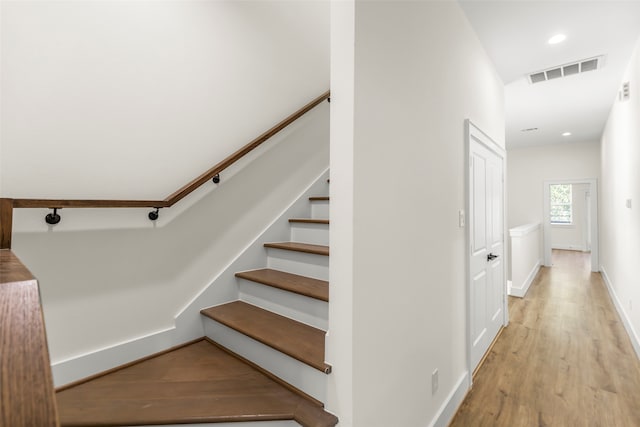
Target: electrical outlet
x,y
461,218
434,382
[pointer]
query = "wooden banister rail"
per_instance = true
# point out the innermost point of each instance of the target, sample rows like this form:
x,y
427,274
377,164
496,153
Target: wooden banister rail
x,y
185,190
26,386
6,223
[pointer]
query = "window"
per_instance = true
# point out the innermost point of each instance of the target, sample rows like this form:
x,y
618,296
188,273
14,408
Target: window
x,y
560,200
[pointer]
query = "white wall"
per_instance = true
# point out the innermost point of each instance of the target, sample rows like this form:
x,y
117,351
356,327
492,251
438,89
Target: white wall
x,y
339,340
413,74
133,99
573,236
620,225
529,167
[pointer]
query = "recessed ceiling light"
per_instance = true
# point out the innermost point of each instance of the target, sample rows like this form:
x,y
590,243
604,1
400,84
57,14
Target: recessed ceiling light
x,y
558,38
566,134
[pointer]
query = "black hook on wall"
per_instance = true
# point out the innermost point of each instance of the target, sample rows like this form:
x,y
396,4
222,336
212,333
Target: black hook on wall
x,y
53,218
153,215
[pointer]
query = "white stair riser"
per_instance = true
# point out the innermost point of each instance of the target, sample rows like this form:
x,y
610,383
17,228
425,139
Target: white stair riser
x,y
317,234
294,372
304,264
303,309
320,209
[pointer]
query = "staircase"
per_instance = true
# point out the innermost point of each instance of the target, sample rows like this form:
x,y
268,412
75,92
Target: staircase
x,y
275,331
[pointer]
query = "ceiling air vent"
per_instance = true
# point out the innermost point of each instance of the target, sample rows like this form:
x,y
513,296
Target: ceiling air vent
x,y
565,70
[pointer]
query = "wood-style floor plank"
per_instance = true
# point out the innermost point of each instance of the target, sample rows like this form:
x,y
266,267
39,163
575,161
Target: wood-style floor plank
x,y
197,383
564,360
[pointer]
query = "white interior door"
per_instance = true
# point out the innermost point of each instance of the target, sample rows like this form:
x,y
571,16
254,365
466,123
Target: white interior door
x,y
486,245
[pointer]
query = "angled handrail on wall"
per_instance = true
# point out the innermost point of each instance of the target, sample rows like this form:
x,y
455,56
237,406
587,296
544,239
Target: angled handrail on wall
x,y
173,198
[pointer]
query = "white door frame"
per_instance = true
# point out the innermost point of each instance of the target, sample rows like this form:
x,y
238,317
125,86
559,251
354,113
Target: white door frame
x,y
473,135
593,210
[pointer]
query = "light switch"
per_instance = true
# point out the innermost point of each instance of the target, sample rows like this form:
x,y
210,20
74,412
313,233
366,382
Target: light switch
x,y
628,203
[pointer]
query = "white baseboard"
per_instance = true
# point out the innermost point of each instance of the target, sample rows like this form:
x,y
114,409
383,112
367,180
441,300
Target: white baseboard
x,y
521,291
450,406
91,363
633,336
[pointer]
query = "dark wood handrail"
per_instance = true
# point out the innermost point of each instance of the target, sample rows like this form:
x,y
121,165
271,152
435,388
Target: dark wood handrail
x,y
6,220
26,385
182,192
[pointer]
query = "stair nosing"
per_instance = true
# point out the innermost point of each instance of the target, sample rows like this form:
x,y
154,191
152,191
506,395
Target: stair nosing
x,y
309,220
322,366
300,247
246,275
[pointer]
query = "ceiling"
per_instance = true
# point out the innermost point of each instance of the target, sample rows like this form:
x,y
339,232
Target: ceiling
x,y
515,34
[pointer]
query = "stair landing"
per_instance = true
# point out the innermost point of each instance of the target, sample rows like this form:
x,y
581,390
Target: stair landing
x,y
197,383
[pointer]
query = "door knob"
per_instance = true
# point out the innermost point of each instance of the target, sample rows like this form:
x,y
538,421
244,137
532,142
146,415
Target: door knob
x,y
491,257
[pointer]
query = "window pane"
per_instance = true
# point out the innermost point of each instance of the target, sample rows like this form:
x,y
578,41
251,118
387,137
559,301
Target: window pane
x,y
560,203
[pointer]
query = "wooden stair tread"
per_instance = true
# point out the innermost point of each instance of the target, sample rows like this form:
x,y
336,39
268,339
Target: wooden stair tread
x,y
319,198
302,342
309,220
300,247
197,383
302,285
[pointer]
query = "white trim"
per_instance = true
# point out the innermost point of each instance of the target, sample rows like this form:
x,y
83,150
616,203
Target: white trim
x,y
523,230
475,134
628,326
563,225
93,362
451,404
517,291
593,189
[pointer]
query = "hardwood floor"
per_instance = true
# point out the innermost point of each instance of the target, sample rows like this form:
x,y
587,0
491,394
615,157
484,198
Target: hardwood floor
x,y
197,383
564,360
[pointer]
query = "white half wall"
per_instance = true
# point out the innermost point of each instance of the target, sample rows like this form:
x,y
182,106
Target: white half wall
x,y
620,202
526,257
398,141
